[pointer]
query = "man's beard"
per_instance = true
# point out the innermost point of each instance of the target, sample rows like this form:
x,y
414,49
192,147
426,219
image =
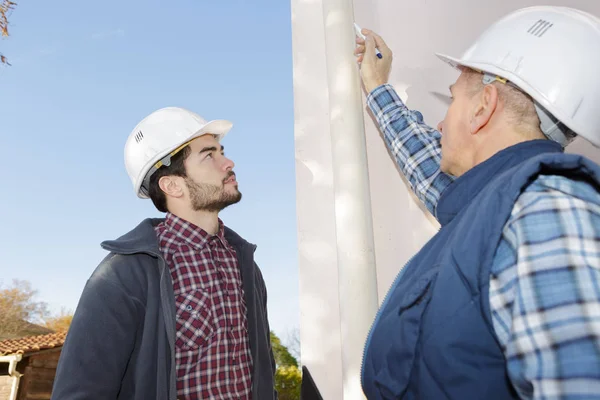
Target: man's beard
x,y
211,198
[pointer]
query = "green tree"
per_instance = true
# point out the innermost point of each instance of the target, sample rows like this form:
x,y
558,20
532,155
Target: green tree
x,y
282,355
288,377
288,381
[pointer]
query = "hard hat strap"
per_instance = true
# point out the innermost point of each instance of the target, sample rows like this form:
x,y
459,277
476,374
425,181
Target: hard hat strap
x,y
551,127
165,161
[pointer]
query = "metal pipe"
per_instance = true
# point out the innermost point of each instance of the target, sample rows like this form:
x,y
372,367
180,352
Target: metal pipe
x,y
354,225
12,361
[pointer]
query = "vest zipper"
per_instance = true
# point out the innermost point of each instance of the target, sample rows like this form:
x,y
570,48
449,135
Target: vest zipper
x,y
385,300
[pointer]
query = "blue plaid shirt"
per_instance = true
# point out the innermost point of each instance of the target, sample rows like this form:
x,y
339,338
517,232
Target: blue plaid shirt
x,y
545,281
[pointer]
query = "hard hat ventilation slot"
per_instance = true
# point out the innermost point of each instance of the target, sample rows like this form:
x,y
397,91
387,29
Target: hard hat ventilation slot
x,y
540,28
139,136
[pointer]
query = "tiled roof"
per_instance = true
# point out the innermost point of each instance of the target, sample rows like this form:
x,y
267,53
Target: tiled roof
x,y
31,344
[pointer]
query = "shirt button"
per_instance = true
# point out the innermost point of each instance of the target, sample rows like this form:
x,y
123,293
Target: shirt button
x,y
188,308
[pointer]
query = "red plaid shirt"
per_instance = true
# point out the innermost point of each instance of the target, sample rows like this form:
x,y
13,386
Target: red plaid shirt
x,y
212,350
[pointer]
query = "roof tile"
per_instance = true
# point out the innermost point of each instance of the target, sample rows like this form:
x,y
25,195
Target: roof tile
x,y
31,344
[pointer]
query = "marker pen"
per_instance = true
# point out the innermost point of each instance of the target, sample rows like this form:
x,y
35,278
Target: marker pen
x,y
359,34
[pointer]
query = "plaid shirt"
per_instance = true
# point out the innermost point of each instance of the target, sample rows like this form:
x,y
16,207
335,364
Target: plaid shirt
x,y
212,350
545,280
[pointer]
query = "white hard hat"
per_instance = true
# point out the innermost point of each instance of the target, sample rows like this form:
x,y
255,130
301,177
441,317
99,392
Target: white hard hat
x,y
553,55
160,136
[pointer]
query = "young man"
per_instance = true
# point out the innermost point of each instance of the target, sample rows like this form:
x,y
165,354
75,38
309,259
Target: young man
x,y
178,309
504,301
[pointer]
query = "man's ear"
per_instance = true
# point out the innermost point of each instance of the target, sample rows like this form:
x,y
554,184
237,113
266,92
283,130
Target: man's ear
x,y
171,185
485,106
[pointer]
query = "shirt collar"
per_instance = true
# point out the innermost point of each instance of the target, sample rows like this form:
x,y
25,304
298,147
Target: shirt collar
x,y
193,234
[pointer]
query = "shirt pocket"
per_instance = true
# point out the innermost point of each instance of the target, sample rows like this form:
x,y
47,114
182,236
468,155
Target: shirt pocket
x,y
194,320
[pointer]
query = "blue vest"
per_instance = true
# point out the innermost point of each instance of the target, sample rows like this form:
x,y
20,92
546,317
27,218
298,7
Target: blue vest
x,y
433,337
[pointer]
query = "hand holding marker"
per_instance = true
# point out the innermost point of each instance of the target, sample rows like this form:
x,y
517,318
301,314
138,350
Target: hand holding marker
x,y
359,34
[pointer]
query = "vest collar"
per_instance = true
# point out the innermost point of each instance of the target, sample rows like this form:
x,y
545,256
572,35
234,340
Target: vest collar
x,y
459,194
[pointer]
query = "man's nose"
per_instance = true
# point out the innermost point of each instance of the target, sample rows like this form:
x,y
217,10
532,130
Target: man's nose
x,y
228,164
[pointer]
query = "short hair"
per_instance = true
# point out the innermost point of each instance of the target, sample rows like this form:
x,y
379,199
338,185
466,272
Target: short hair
x,y
176,168
518,104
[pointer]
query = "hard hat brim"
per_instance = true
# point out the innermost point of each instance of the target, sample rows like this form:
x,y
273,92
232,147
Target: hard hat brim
x,y
218,127
457,63
453,62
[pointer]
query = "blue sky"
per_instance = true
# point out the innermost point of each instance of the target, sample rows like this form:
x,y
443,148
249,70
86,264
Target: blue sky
x,y
84,73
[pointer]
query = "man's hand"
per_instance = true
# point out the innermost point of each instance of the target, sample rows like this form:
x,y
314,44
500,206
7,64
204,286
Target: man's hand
x,y
374,71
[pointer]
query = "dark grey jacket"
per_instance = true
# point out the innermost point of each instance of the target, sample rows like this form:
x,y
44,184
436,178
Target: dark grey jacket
x,y
121,341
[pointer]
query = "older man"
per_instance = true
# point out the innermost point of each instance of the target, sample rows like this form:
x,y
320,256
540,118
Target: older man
x,y
504,301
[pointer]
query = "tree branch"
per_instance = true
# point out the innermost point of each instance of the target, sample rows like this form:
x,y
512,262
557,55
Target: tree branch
x,y
6,6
